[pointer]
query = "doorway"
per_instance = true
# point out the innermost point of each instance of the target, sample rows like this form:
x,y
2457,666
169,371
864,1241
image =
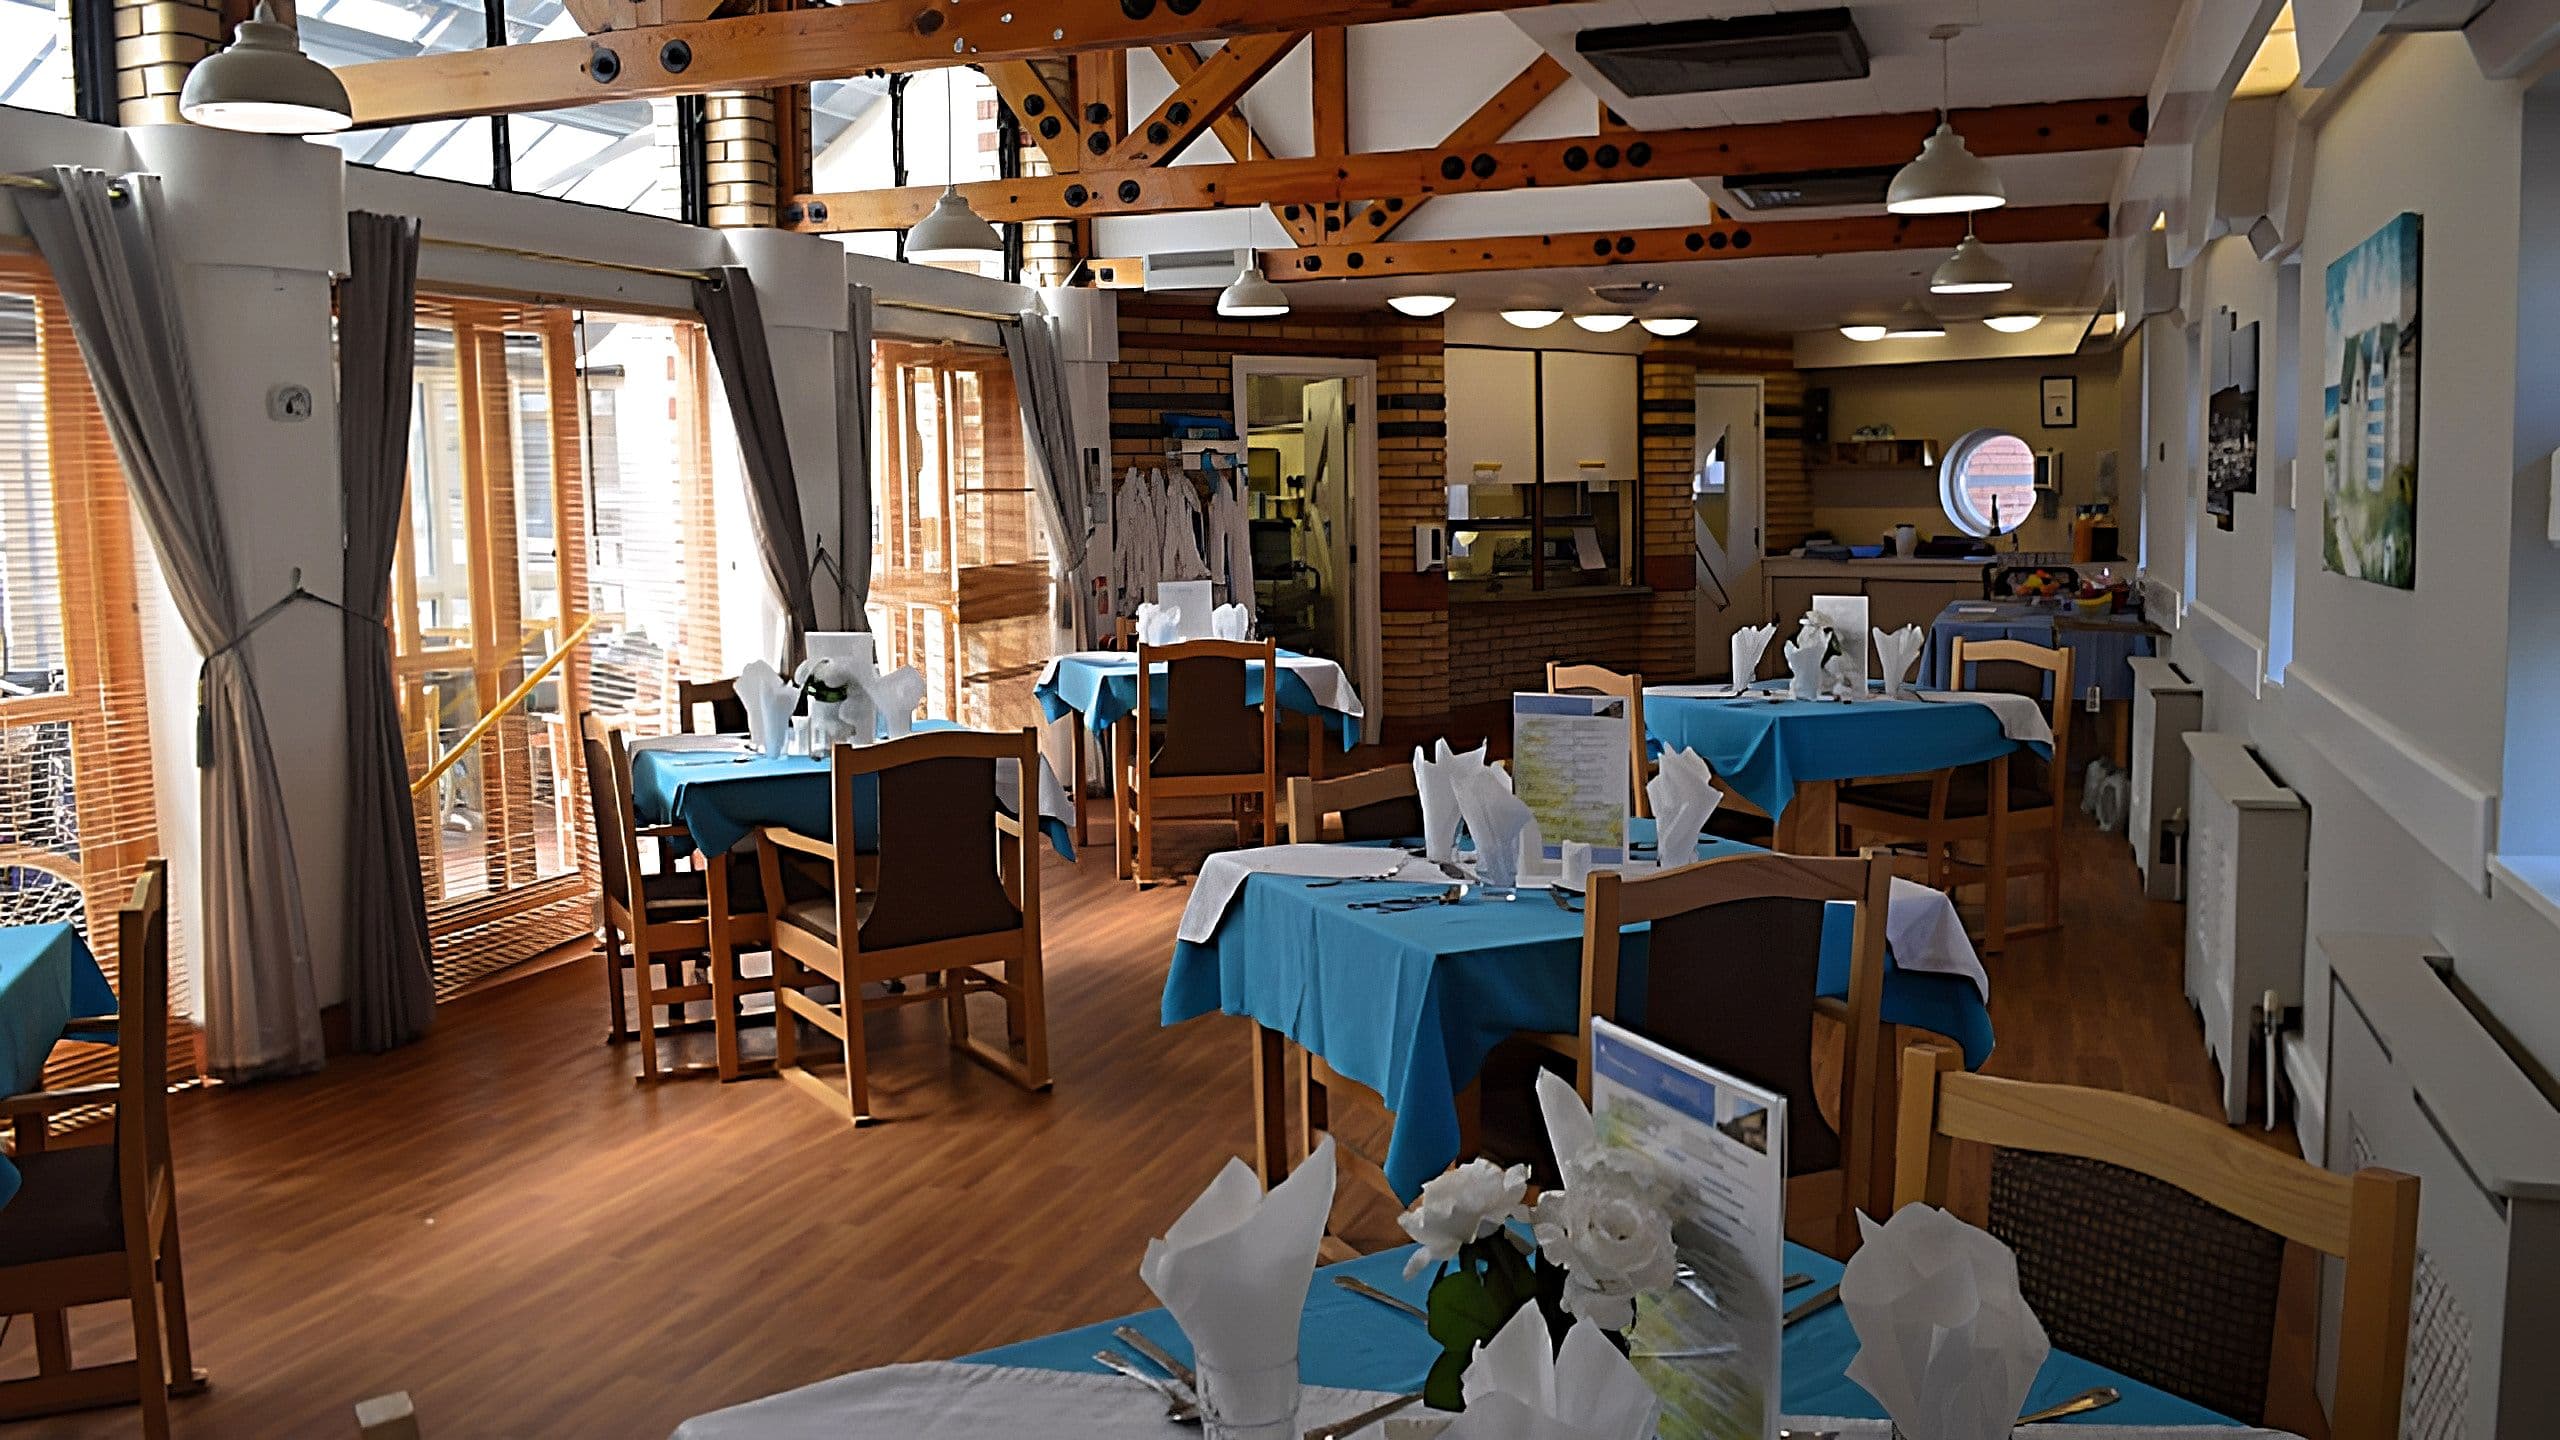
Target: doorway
x,y
1726,500
1310,462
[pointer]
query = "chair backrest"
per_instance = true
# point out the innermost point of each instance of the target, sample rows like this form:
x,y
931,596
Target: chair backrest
x,y
1124,633
1381,804
1732,977
2041,673
2188,1216
942,874
1210,728
142,1046
728,712
608,770
1565,679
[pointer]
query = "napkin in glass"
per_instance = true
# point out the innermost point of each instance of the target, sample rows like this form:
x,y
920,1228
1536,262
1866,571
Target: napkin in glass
x,y
1749,644
1945,1341
1896,653
1499,823
1435,784
768,700
1804,666
1522,1388
1684,794
1234,1271
896,696
1231,622
1158,624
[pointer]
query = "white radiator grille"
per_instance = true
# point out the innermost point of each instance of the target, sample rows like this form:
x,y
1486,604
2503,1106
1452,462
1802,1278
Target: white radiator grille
x,y
2439,1384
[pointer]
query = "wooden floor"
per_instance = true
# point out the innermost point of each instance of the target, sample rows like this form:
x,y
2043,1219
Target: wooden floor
x,y
500,1222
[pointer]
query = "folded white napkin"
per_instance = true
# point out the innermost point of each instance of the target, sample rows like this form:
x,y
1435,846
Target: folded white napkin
x,y
1749,644
895,696
1231,622
2021,718
1684,794
1896,653
1519,1387
1804,666
1158,624
1499,823
960,1400
768,700
1195,603
1234,1272
1223,875
1945,1342
1576,860
1435,782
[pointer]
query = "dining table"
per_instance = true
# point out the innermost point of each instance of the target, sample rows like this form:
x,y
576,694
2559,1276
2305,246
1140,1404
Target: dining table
x,y
1355,1350
48,980
1787,758
1411,1002
2103,648
720,792
1100,688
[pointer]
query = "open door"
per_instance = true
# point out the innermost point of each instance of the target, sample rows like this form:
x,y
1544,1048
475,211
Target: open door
x,y
1725,492
1308,463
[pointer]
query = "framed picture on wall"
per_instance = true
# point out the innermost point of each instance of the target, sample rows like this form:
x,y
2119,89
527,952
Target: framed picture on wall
x,y
2061,402
2369,408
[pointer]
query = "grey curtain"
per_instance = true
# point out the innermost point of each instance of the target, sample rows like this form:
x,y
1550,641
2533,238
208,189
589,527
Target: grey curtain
x,y
734,323
1049,432
390,993
853,461
103,240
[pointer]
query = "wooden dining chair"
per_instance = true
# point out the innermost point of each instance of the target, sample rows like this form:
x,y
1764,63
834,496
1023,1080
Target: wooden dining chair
x,y
1731,978
728,712
1565,679
1213,744
1956,807
2150,1240
657,925
957,889
1381,804
97,1223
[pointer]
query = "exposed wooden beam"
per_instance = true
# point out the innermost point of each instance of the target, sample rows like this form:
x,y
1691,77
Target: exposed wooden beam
x,y
826,42
1329,91
1724,239
1201,99
1102,99
1048,117
2042,129
1491,121
1236,133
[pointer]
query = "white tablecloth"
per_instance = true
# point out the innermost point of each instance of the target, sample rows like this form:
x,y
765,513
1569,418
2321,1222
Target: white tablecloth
x,y
944,1400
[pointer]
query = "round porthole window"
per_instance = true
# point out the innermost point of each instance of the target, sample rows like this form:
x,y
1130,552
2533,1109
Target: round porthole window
x,y
1987,482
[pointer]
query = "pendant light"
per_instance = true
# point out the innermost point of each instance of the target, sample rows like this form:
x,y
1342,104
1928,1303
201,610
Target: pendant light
x,y
264,83
1604,324
1251,296
1532,319
1864,334
1971,270
1669,327
1946,177
2017,324
1421,307
952,231
1915,323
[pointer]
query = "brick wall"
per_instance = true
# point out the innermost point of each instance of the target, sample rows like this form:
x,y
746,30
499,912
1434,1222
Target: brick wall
x,y
1178,356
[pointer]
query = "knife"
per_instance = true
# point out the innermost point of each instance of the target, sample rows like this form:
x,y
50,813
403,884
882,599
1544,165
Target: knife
x,y
1365,1290
1806,1306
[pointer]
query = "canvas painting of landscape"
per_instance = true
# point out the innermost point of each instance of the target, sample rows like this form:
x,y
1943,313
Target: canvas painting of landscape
x,y
2369,407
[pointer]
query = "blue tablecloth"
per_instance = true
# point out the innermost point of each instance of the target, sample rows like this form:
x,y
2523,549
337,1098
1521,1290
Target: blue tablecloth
x,y
1410,1003
1764,749
1356,1343
2099,647
721,799
47,977
1105,692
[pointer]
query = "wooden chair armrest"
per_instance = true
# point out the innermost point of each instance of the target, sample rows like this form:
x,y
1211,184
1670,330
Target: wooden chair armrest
x,y
793,840
53,1102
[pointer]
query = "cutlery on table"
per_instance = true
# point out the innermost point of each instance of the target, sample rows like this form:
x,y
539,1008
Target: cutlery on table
x,y
1450,896
1809,1304
2096,1397
1556,893
1356,880
1158,1356
1363,1420
1795,1281
1367,1291
1177,1407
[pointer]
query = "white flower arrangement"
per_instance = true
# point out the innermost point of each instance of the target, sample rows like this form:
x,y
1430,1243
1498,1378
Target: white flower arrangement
x,y
825,677
1460,1207
1614,1244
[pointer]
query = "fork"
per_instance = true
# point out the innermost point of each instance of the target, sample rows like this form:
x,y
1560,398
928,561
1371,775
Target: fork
x,y
1179,1408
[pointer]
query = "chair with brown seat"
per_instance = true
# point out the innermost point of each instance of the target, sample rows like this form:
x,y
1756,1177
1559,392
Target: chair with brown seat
x,y
1381,804
2150,1239
1953,807
1214,743
957,889
1599,680
98,1223
728,712
1732,976
657,925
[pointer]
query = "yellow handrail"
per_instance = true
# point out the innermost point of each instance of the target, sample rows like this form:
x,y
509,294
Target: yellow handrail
x,y
514,698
